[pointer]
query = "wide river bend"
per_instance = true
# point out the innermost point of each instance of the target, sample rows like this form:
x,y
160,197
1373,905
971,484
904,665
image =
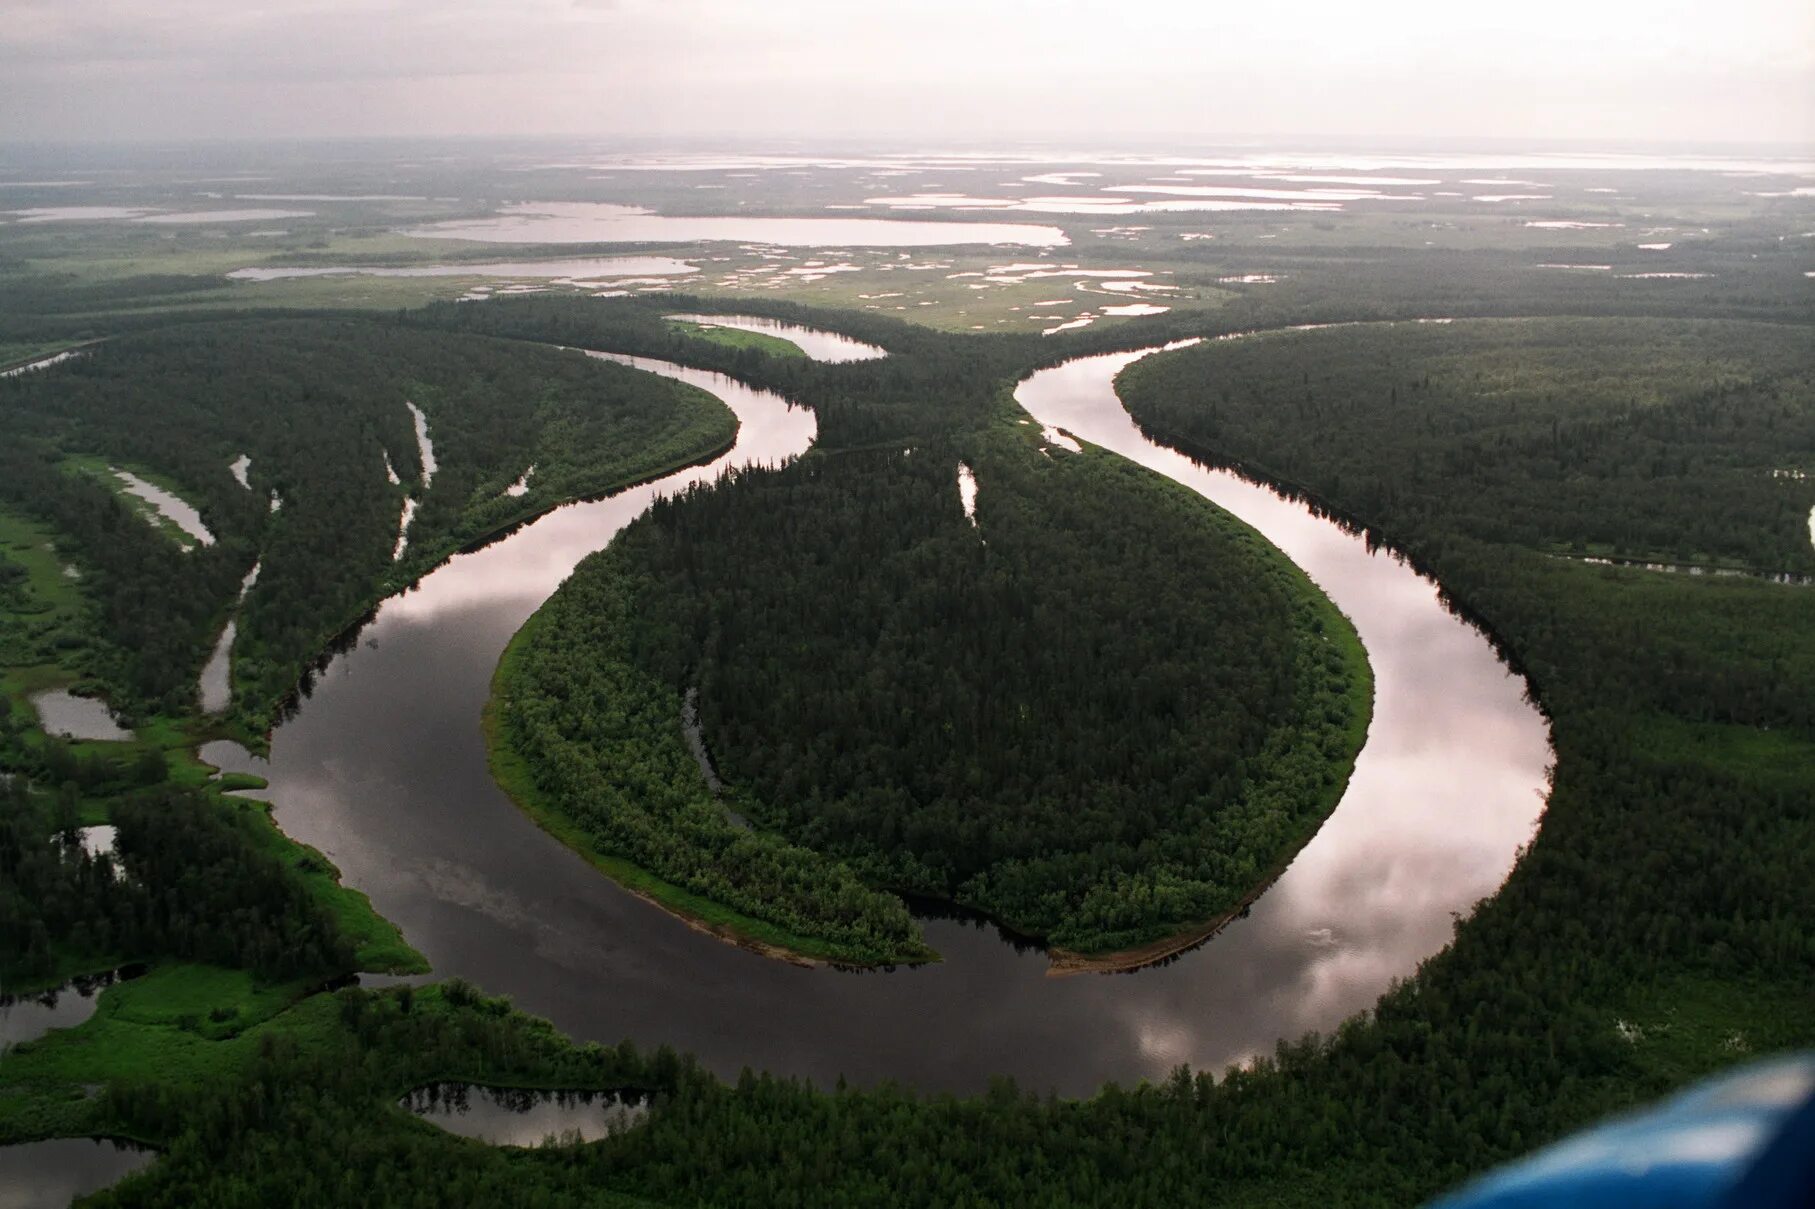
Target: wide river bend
x,y
383,768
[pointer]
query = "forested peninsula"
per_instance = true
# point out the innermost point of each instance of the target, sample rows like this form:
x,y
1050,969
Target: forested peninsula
x,y
338,506
1101,711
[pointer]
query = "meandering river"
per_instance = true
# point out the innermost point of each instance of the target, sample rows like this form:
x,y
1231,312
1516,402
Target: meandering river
x,y
383,769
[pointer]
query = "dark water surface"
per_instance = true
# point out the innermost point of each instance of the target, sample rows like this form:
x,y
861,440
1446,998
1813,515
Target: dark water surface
x,y
29,1017
384,770
49,1175
506,1116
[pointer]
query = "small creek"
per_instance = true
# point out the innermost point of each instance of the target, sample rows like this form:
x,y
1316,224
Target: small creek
x,y
63,713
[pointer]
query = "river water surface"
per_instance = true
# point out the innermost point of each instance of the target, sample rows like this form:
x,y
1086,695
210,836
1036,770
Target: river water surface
x,y
383,768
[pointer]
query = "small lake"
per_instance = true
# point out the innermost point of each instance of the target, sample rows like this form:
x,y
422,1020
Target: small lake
x,y
581,269
196,217
814,342
50,1175
600,222
506,1116
1451,782
63,713
28,1017
74,213
171,507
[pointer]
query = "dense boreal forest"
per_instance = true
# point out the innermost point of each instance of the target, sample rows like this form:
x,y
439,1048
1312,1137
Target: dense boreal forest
x,y
1101,713
319,409
1637,439
1658,927
189,878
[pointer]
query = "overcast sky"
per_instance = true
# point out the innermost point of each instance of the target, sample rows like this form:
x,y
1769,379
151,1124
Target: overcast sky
x,y
971,70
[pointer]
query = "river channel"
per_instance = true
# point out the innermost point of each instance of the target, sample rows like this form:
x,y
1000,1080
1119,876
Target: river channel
x,y
383,769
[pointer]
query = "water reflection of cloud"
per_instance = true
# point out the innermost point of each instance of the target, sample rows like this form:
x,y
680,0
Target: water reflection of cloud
x,y
526,568
1448,787
384,767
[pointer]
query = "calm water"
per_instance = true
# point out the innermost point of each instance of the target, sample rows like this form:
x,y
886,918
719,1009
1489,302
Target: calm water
x,y
49,1175
584,268
600,222
28,1017
216,685
64,713
507,1116
173,508
817,344
383,769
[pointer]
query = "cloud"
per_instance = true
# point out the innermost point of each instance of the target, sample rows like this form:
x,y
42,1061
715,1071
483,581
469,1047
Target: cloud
x,y
1679,69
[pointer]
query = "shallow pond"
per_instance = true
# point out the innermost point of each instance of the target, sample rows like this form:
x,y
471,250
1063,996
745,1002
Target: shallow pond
x,y
814,342
74,213
28,1017
584,268
195,217
599,222
50,1175
1450,784
507,1116
171,507
99,840
63,713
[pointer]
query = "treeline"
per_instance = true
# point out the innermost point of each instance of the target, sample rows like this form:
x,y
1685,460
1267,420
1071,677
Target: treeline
x,y
80,770
1371,281
318,407
1101,714
190,881
1677,441
32,296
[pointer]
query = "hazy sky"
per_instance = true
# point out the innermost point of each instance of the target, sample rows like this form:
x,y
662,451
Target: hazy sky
x,y
1543,70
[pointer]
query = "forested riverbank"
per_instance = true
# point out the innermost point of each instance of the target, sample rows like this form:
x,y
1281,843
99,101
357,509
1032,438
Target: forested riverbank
x,y
319,411
1656,929
1167,703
